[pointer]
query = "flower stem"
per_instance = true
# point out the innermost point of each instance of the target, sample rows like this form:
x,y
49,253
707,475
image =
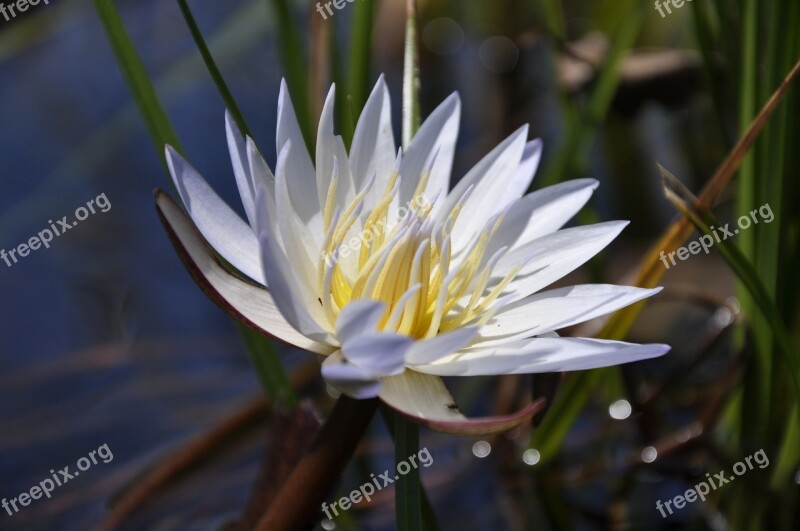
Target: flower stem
x,y
298,503
269,369
407,488
411,81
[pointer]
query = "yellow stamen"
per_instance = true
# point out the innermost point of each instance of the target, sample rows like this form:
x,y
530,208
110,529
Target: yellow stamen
x,y
408,266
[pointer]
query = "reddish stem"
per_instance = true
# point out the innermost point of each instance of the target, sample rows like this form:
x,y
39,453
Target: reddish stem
x,y
299,502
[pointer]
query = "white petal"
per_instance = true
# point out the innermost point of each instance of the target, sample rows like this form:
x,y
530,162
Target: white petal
x,y
263,178
551,257
303,183
259,169
293,298
437,136
261,175
345,194
346,191
542,355
227,233
332,158
326,148
241,167
424,399
248,303
358,318
523,177
379,353
373,150
293,232
348,378
556,309
541,213
426,351
489,180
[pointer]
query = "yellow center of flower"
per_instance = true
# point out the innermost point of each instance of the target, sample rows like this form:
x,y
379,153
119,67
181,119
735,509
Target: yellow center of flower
x,y
408,266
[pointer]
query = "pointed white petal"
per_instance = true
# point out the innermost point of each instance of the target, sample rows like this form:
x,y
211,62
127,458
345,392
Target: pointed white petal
x,y
227,233
554,256
303,183
358,318
264,179
426,351
241,167
248,303
437,135
556,309
523,177
326,149
293,232
541,213
373,150
346,189
348,378
331,157
261,175
259,169
489,180
542,355
378,353
293,297
425,400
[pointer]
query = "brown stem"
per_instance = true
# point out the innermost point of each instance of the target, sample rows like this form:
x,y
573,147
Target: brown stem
x,y
298,503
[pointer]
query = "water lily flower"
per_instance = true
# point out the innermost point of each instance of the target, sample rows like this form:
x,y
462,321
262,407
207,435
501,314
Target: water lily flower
x,y
368,259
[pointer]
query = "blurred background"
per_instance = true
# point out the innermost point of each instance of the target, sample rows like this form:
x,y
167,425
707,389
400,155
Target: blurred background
x,y
105,339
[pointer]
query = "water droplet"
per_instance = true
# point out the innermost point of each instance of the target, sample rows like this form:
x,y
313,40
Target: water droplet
x,y
531,456
684,435
722,317
327,524
649,454
481,449
620,410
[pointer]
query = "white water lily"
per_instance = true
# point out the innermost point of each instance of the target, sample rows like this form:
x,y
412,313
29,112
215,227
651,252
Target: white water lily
x,y
453,286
